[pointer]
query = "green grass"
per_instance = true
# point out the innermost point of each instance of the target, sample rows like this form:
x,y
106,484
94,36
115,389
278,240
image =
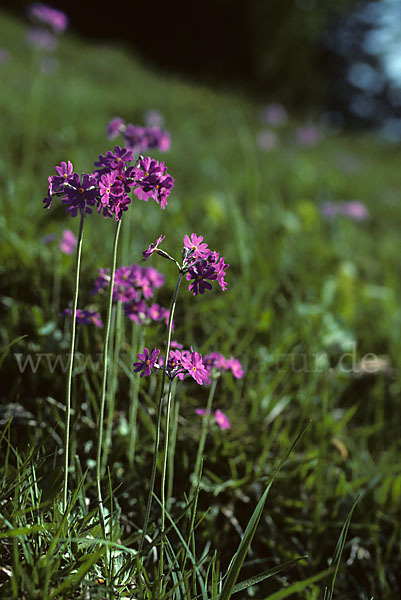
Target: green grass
x,y
298,285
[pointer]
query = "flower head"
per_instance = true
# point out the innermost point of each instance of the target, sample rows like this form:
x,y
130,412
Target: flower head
x,y
193,364
146,362
222,419
48,16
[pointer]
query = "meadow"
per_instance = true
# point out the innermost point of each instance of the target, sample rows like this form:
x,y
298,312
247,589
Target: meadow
x,y
298,492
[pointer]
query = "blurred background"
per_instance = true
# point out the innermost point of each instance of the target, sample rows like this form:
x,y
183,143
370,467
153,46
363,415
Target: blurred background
x,y
341,58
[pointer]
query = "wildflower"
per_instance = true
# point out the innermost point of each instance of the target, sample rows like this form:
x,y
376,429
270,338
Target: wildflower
x,y
355,209
196,245
153,248
115,127
236,367
193,364
153,181
136,310
85,316
146,361
68,242
222,419
41,39
153,118
43,14
200,273
80,194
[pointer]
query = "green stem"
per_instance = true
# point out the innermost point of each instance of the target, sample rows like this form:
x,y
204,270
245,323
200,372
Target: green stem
x,y
159,413
202,441
113,383
104,381
71,361
173,439
163,484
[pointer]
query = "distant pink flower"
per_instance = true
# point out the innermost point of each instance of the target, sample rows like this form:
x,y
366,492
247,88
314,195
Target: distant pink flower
x,y
201,412
153,118
330,210
42,39
222,419
48,16
355,209
68,242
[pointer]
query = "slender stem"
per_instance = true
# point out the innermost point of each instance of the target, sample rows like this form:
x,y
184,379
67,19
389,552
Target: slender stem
x,y
71,361
201,447
113,384
173,440
163,485
159,413
104,380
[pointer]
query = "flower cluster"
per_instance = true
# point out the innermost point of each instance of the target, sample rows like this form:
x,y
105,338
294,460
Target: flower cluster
x,y
221,418
217,362
84,316
134,286
46,16
200,264
108,187
139,139
354,209
180,363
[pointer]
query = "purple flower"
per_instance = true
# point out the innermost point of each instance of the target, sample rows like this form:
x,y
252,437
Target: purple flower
x,y
56,19
193,364
152,248
153,118
146,361
41,38
202,412
330,210
136,310
222,419
113,158
236,367
153,181
355,209
85,316
68,242
141,139
114,127
200,272
196,245
80,193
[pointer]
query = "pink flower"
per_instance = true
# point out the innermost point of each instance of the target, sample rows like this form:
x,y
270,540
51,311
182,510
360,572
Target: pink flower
x,y
308,135
222,419
68,242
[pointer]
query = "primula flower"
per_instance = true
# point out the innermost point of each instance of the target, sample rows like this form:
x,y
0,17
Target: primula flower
x,y
136,311
140,139
222,419
200,273
196,245
85,316
153,181
193,364
80,194
236,367
152,248
56,19
147,361
216,361
68,242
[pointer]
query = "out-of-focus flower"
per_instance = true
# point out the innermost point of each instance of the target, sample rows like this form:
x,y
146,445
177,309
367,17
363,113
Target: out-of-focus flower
x,y
266,140
48,16
330,210
68,242
41,39
308,135
355,209
140,139
222,419
85,316
153,118
275,114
